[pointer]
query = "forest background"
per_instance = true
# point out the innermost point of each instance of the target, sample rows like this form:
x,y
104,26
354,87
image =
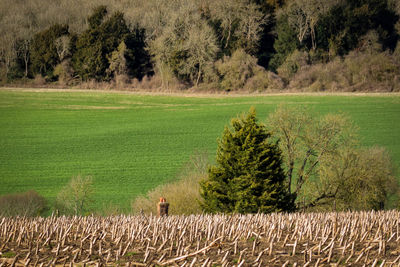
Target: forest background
x,y
226,45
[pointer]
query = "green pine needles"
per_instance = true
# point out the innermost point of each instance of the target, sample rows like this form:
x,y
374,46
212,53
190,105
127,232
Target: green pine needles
x,y
248,176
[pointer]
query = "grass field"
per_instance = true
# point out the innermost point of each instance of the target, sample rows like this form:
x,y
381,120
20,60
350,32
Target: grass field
x,y
131,143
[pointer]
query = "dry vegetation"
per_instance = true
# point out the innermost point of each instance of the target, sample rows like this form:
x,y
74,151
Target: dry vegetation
x,y
28,204
178,193
309,239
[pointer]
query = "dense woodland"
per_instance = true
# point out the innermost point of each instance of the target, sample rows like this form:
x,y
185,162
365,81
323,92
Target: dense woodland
x,y
227,45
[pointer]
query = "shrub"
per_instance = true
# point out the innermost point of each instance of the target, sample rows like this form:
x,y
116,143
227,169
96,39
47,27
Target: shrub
x,y
396,53
241,71
182,195
64,72
158,83
22,204
211,73
264,81
122,81
39,80
368,69
292,64
236,70
372,70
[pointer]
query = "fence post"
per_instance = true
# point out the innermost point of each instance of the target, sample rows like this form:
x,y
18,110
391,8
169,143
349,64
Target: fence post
x,y
162,207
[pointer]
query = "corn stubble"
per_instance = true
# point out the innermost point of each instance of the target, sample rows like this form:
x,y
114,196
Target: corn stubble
x,y
306,239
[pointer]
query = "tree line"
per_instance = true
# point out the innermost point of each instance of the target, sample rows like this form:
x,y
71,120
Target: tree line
x,y
226,44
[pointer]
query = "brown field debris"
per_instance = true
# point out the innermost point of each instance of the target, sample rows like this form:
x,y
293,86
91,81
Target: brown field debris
x,y
307,239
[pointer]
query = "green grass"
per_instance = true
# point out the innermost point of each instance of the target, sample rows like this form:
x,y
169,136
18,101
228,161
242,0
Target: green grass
x,y
132,143
8,254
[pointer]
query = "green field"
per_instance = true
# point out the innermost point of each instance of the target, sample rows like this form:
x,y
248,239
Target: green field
x,y
131,143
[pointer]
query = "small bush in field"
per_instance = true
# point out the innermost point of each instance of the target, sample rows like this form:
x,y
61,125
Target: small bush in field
x,y
182,195
22,204
75,196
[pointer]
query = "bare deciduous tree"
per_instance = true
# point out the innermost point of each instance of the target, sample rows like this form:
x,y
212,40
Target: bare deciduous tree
x,y
241,22
185,45
8,46
357,179
63,47
303,16
76,195
323,161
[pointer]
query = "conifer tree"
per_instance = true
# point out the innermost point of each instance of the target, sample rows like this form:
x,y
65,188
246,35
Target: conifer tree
x,y
110,48
248,176
43,49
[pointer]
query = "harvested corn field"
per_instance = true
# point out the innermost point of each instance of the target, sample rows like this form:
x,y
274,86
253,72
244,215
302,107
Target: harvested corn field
x,y
302,239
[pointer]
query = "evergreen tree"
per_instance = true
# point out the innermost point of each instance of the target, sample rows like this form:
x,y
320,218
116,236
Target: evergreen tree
x,y
345,24
138,60
95,45
248,177
44,55
103,42
285,43
97,17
